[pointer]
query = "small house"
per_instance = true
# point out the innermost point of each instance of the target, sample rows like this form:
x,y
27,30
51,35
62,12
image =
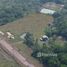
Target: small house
x,y
44,38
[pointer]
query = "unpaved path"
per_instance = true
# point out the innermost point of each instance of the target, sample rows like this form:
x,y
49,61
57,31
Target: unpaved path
x,y
14,53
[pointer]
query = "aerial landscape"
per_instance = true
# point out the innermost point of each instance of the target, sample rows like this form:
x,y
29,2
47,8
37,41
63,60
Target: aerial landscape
x,y
33,33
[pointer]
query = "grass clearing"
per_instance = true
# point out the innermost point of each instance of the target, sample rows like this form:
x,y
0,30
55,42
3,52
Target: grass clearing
x,y
34,23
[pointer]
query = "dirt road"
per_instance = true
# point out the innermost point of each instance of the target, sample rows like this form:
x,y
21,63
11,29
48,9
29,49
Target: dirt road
x,y
14,53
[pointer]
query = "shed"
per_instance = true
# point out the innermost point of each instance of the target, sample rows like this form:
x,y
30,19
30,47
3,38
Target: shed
x,y
23,36
47,11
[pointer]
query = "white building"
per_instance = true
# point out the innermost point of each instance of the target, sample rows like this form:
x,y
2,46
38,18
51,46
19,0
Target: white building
x,y
44,38
47,11
10,36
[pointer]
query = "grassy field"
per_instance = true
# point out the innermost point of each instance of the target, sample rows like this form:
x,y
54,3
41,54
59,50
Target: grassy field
x,y
35,24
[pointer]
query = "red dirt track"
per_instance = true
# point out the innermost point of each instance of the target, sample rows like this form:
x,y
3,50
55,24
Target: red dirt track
x,y
14,53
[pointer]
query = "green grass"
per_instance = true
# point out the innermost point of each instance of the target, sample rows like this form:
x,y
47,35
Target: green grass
x,y
63,65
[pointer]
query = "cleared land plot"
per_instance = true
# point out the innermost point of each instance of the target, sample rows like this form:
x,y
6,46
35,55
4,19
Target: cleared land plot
x,y
53,6
35,24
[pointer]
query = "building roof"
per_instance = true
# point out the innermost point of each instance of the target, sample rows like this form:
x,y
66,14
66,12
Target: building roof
x,y
23,36
47,11
44,36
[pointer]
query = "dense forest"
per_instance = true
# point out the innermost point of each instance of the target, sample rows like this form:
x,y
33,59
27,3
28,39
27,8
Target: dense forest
x,y
11,10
